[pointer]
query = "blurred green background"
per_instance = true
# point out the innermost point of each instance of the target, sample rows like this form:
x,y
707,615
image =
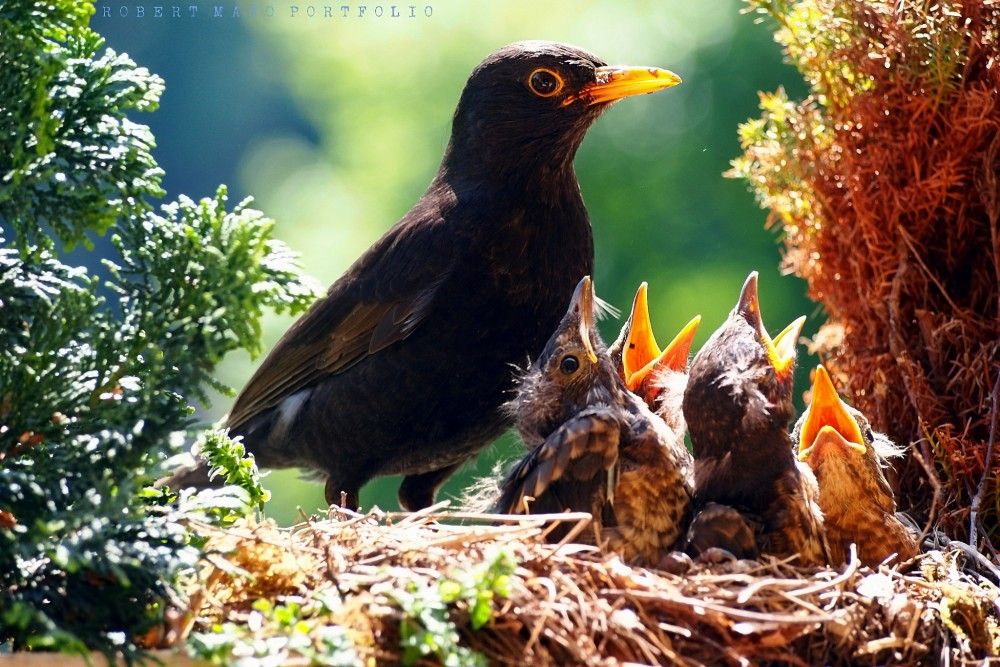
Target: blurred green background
x,y
336,126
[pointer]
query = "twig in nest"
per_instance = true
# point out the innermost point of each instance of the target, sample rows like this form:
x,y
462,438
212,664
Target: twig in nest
x,y
989,545
930,274
977,500
897,345
924,458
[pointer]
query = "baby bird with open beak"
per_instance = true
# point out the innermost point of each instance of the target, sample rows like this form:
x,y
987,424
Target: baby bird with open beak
x,y
847,457
738,406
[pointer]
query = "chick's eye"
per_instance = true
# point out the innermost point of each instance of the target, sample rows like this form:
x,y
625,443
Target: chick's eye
x,y
569,364
869,436
545,83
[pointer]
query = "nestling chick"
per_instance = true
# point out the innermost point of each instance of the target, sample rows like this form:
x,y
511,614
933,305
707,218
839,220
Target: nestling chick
x,y
595,447
847,457
738,405
657,376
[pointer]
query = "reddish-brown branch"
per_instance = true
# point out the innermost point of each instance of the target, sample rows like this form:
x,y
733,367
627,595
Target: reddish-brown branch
x,y
977,500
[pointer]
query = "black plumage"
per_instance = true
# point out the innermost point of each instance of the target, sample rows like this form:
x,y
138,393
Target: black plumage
x,y
403,367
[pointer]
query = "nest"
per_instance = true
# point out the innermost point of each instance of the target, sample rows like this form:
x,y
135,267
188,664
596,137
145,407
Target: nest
x,y
570,604
886,184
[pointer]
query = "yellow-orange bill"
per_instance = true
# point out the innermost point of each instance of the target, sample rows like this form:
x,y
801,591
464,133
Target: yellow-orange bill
x,y
616,82
640,344
781,349
675,355
827,412
583,301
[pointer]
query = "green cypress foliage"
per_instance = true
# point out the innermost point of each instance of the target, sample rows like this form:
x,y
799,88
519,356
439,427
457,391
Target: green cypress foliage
x,y
97,373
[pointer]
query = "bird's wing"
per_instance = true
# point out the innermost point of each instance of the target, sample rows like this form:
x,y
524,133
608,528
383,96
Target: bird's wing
x,y
571,469
795,519
373,326
379,301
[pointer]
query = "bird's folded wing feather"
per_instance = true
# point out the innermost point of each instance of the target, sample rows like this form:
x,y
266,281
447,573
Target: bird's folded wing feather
x,y
380,301
571,469
796,519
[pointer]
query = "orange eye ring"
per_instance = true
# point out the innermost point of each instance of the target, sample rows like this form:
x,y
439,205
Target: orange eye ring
x,y
545,83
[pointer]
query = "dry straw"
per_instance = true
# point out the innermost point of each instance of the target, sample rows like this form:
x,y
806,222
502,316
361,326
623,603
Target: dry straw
x,y
568,604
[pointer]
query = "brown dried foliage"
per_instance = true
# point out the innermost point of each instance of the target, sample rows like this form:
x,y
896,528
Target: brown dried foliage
x,y
886,183
572,605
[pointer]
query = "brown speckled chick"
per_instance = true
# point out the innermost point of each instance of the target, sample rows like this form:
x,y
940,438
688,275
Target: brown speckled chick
x,y
596,447
738,405
847,457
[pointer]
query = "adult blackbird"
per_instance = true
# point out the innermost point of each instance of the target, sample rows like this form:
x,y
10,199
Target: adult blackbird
x,y
738,405
848,457
657,376
595,447
404,366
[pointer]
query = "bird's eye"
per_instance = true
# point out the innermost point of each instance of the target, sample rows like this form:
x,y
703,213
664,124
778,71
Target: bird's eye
x,y
869,436
569,364
545,82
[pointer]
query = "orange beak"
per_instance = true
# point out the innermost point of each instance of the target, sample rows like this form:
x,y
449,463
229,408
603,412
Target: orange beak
x,y
828,418
616,82
642,355
640,345
673,357
583,302
780,349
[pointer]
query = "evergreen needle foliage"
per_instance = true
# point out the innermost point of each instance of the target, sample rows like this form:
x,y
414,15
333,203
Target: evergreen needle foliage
x,y
95,390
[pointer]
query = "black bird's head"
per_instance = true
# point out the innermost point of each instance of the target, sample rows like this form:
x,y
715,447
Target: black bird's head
x,y
573,371
528,106
739,391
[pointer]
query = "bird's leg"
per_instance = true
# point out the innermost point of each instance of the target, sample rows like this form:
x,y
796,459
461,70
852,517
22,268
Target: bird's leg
x,y
418,491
